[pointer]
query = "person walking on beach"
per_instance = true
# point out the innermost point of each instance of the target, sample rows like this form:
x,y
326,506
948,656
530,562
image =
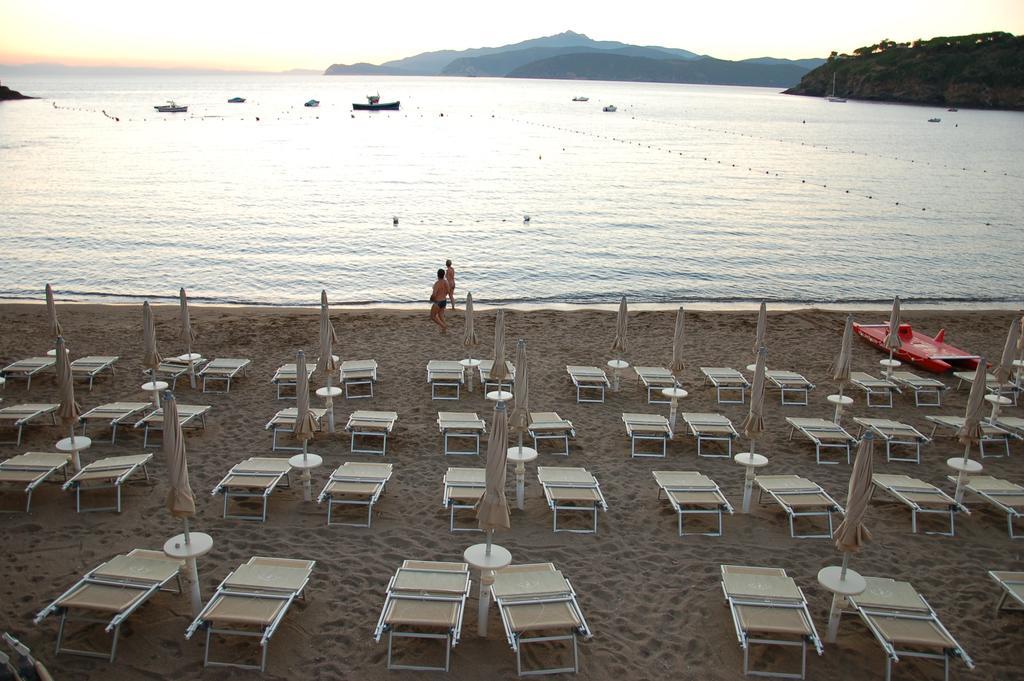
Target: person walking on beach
x,y
438,301
449,276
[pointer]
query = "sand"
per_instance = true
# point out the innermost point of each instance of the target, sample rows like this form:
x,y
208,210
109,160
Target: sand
x,y
652,599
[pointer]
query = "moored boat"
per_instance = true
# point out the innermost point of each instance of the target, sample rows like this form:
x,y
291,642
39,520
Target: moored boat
x,y
373,103
934,120
171,107
929,353
312,103
236,100
610,108
581,99
832,97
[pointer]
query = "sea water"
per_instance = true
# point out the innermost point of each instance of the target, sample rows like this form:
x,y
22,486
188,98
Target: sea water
x,y
685,194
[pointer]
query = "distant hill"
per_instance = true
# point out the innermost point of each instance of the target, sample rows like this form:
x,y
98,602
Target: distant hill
x,y
984,70
503,63
707,71
7,93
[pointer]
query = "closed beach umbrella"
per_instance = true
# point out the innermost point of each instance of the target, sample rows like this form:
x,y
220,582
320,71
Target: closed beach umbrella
x,y
970,432
51,314
68,412
180,501
519,421
305,423
851,533
677,344
470,340
841,367
892,339
1005,368
187,333
753,425
619,344
762,327
492,512
499,372
328,337
150,357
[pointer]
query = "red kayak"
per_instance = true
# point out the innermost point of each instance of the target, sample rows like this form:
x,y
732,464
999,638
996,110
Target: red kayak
x,y
931,354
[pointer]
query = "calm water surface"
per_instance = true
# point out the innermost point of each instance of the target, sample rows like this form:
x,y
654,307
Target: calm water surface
x,y
687,193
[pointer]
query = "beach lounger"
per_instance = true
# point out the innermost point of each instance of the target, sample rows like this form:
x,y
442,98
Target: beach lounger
x,y
904,624
355,484
928,388
21,415
443,376
114,414
919,497
251,601
255,478
426,600
793,388
463,489
29,470
460,425
548,425
172,368
692,493
108,473
571,489
223,369
709,427
1013,424
110,593
371,425
1011,587
358,372
768,608
990,434
487,383
647,427
537,604
655,379
1004,495
588,379
824,434
992,386
286,377
726,380
27,368
284,422
799,498
895,433
189,416
92,366
877,388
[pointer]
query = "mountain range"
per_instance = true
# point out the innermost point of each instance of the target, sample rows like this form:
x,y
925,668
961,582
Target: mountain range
x,y
574,56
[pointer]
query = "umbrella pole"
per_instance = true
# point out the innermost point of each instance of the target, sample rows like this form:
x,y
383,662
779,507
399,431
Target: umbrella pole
x,y
748,481
520,477
307,482
846,561
193,574
961,476
329,402
156,393
191,366
75,460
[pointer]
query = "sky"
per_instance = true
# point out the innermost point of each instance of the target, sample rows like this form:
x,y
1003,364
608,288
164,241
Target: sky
x,y
312,34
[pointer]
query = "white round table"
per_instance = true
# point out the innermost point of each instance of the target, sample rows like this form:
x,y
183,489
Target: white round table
x,y
751,368
471,365
751,461
842,587
74,444
191,358
675,394
617,365
964,469
53,352
889,365
521,456
199,544
305,463
841,402
477,556
329,393
155,387
997,402
499,395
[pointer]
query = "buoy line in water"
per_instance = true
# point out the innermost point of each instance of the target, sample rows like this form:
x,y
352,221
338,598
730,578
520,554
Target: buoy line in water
x,y
782,175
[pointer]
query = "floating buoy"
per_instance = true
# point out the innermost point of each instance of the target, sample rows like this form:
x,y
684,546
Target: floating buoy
x,y
526,218
394,221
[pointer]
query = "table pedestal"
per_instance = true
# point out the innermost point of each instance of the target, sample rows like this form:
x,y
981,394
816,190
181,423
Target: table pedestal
x,y
74,444
842,588
520,456
617,365
1018,365
306,463
675,394
997,402
329,393
752,462
191,358
199,544
841,401
471,365
476,555
889,365
155,387
964,468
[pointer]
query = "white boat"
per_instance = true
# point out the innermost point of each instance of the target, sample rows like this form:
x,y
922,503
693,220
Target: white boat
x,y
832,97
312,103
934,120
171,107
610,108
581,99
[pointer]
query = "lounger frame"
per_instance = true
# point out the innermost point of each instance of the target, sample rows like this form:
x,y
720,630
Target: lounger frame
x,y
92,366
587,378
1005,580
444,375
461,426
895,433
790,383
27,368
927,391
647,428
699,484
284,422
27,413
572,506
118,413
656,379
358,373
128,465
190,416
726,380
900,492
224,369
41,471
817,430
550,426
371,425
487,383
875,387
992,496
810,488
369,500
286,376
251,468
990,433
705,426
455,502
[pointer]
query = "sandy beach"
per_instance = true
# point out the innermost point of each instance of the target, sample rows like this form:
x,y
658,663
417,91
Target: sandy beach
x,y
652,598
